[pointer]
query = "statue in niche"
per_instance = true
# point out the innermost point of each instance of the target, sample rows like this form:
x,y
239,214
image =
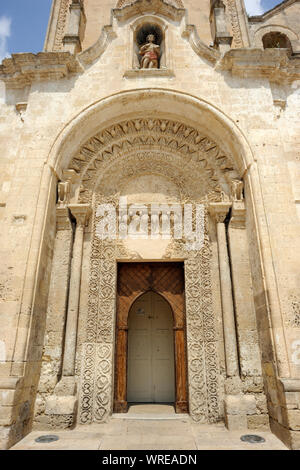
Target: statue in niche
x,y
150,53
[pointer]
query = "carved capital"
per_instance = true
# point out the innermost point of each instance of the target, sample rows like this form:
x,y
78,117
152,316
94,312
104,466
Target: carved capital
x,y
238,215
63,221
81,212
219,210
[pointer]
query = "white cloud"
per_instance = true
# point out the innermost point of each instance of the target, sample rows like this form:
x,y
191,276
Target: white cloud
x,y
254,7
5,31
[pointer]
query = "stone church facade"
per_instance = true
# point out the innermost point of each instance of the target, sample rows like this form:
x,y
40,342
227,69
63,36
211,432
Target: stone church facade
x,y
178,104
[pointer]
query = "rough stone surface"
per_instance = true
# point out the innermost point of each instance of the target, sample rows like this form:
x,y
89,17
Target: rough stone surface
x,y
217,126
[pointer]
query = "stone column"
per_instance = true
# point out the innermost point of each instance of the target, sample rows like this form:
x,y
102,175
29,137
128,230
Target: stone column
x,y
236,404
63,404
76,27
249,355
81,213
247,334
219,211
56,313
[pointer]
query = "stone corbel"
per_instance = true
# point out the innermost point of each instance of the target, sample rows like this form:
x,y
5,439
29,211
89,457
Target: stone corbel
x,y
76,27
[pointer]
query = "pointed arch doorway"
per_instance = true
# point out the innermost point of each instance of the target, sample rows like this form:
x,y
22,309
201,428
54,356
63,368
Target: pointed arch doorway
x,y
150,363
150,371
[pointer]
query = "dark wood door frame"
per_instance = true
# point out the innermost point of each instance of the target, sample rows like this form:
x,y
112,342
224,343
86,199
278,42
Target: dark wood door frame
x,y
167,280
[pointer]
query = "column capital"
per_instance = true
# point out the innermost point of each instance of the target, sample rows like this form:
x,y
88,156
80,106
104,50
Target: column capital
x,y
63,221
81,212
238,215
219,210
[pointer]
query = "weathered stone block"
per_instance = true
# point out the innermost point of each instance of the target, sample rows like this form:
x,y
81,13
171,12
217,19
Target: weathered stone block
x,y
47,384
234,405
261,403
66,387
233,386
6,415
258,422
7,397
249,404
60,405
236,422
294,419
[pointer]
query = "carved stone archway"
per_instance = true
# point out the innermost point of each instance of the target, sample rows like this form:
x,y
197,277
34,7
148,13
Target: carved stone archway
x,y
185,147
202,173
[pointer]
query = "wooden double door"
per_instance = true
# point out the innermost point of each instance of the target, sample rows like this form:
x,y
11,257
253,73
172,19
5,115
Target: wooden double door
x,y
150,364
150,370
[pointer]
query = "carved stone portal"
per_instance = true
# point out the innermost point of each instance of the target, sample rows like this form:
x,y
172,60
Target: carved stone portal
x,y
98,354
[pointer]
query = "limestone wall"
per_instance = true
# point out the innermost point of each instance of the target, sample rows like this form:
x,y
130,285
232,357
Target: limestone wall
x,y
270,127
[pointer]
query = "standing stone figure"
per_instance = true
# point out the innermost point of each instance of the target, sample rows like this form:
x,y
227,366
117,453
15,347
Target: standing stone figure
x,y
237,187
150,53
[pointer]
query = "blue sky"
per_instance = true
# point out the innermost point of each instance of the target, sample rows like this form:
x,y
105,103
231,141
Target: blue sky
x,y
23,23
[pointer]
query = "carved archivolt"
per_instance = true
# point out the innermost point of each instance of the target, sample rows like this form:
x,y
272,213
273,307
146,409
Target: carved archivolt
x,y
151,145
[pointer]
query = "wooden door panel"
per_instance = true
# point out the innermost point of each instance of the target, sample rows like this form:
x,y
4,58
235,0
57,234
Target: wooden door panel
x,y
166,279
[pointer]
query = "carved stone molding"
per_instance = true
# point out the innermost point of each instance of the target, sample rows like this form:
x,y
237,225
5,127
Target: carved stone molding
x,y
95,402
176,149
174,3
273,64
144,73
96,50
235,24
171,9
199,47
203,363
219,210
61,25
81,212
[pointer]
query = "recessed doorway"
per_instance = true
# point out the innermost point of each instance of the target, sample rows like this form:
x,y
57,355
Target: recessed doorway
x,y
150,359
